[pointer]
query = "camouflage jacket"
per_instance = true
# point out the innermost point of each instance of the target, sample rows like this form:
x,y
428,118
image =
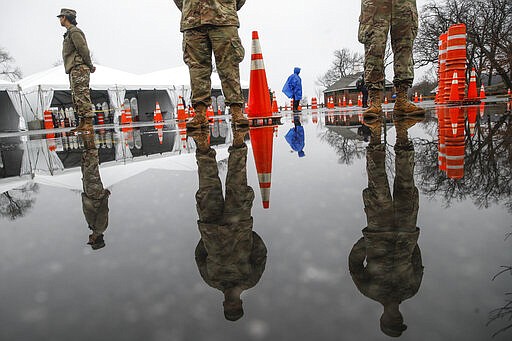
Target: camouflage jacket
x,y
75,50
195,13
230,255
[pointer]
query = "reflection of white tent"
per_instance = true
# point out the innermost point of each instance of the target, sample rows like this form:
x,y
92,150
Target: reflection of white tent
x,y
113,173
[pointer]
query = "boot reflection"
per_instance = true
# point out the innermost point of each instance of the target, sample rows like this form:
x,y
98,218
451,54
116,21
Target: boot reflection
x,y
385,264
94,196
230,256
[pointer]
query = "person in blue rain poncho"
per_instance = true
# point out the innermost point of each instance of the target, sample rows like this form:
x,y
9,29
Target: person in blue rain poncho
x,y
295,137
293,88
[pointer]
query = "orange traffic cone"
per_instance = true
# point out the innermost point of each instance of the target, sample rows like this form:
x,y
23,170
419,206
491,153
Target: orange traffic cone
x,y
275,109
509,93
482,92
350,103
259,100
421,98
386,100
454,91
126,115
157,115
472,90
314,103
209,113
359,100
339,102
262,141
416,97
344,101
182,115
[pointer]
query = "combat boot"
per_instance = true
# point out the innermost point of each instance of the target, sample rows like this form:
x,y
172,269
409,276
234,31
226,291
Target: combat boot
x,y
80,125
375,109
239,136
201,139
85,126
403,124
375,125
237,116
199,121
403,106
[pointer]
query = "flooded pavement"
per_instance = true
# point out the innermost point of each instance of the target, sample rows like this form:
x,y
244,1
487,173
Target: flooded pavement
x,y
407,237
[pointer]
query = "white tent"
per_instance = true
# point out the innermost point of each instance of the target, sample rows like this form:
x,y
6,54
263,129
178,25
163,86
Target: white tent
x,y
177,79
36,91
9,118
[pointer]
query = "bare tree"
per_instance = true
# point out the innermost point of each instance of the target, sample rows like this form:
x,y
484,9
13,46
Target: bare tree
x,y
345,63
7,68
488,23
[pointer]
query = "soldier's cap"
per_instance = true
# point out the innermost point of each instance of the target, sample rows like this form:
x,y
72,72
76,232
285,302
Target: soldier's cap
x,y
66,12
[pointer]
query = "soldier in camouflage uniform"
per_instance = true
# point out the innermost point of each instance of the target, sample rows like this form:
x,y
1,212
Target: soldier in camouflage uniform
x,y
78,64
377,18
212,26
393,270
230,256
94,196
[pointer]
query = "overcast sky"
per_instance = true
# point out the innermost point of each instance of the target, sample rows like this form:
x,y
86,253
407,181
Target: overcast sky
x,y
143,36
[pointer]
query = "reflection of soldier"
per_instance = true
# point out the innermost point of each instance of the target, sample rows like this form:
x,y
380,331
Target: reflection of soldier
x,y
230,256
94,197
393,270
212,26
376,20
78,64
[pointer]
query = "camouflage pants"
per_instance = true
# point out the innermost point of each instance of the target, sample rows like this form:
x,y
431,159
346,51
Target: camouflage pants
x,y
224,42
377,18
211,206
383,212
79,78
94,197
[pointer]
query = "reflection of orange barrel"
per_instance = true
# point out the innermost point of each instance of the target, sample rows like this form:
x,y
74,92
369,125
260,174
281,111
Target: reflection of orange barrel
x,y
442,140
262,140
455,144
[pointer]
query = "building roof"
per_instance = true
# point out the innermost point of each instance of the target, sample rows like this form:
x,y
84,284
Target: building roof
x,y
349,83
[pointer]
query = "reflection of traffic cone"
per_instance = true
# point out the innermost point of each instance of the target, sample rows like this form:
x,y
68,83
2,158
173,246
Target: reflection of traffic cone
x,y
482,92
421,98
454,117
454,91
472,91
259,100
157,115
472,113
359,100
182,116
262,141
482,109
509,93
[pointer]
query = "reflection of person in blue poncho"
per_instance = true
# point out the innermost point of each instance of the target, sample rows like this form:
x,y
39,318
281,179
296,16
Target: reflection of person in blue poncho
x,y
293,88
295,137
